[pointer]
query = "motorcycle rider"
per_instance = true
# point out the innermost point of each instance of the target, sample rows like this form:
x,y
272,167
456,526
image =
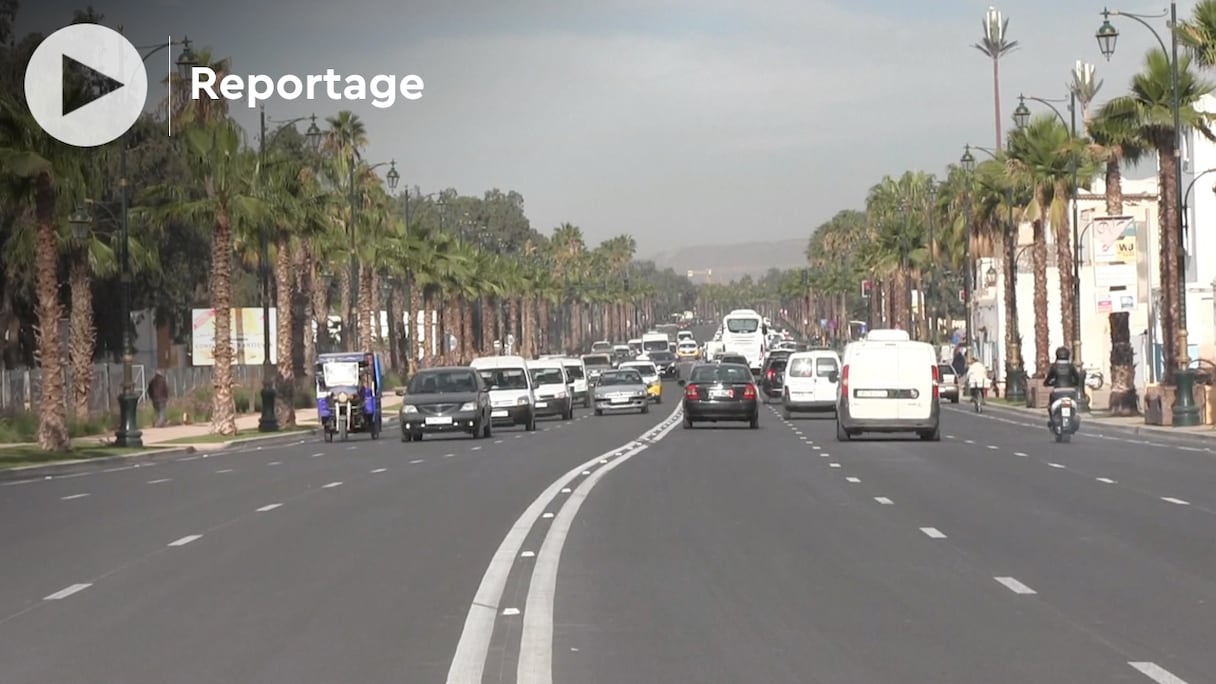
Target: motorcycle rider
x,y
976,377
1063,378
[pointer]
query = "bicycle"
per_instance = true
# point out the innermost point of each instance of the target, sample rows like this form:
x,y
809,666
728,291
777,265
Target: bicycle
x,y
977,398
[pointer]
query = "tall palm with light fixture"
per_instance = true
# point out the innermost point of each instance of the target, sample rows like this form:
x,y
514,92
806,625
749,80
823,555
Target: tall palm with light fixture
x,y
995,44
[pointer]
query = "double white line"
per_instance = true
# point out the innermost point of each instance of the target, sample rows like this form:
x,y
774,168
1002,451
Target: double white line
x,y
536,645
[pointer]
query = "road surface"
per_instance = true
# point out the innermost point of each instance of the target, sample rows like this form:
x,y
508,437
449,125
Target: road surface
x,y
704,555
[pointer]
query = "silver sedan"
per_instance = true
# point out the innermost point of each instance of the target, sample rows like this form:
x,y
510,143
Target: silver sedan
x,y
621,390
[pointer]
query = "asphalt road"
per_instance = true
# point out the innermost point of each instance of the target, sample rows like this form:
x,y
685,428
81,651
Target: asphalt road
x,y
623,549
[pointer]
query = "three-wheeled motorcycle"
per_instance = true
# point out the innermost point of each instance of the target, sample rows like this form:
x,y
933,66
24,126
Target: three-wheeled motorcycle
x,y
349,394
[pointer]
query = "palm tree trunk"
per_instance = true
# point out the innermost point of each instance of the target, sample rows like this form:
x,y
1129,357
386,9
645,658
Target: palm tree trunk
x,y
320,314
542,315
415,335
378,329
367,282
345,293
521,313
306,285
285,383
491,311
52,409
1039,255
451,328
1013,337
512,330
1114,186
1064,257
429,350
82,334
1123,399
223,410
467,347
1170,304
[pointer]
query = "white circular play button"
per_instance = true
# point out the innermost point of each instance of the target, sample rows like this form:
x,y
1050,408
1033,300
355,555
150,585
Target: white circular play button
x,y
114,71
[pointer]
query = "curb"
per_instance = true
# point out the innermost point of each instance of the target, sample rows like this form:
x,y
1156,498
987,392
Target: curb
x,y
1147,433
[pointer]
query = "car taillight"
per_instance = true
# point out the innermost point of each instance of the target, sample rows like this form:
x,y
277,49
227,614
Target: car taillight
x,y
691,392
936,379
749,392
844,381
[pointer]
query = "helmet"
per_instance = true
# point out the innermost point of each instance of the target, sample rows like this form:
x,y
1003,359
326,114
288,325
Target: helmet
x,y
1062,354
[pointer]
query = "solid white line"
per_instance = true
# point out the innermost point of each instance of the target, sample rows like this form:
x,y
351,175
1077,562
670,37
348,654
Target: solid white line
x,y
884,501
1056,465
331,485
163,479
1105,480
73,496
854,480
66,592
536,636
379,470
269,507
1172,500
186,540
1156,673
469,661
933,533
416,461
1015,586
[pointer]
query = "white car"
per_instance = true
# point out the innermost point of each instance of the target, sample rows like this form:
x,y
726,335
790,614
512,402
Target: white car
x,y
551,386
577,373
889,383
812,379
512,401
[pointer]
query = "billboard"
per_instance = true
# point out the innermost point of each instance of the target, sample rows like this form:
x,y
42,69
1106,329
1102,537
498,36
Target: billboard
x,y
1115,240
247,340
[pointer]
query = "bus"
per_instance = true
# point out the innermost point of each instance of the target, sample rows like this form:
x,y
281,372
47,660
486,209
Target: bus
x,y
744,332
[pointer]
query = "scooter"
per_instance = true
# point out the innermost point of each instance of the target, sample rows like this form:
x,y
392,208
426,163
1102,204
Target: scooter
x,y
1065,418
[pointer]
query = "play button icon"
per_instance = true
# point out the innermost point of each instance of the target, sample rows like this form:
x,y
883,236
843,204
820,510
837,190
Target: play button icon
x,y
117,85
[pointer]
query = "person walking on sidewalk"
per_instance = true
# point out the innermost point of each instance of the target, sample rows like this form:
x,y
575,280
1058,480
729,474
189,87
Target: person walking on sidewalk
x,y
158,392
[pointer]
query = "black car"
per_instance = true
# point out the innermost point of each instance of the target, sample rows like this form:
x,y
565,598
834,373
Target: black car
x,y
720,392
449,399
665,362
772,376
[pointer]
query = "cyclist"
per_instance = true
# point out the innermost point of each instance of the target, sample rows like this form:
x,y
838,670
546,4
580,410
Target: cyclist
x,y
976,377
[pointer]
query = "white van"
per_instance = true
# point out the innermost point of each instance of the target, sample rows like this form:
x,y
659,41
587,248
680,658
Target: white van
x,y
551,386
577,373
512,400
888,383
812,379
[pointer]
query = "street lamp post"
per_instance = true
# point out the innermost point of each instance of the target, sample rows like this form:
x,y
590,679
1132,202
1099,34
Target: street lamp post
x,y
269,421
930,305
1021,117
968,163
1186,412
128,433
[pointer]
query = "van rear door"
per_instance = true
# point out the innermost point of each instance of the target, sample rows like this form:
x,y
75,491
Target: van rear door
x,y
824,388
915,381
875,385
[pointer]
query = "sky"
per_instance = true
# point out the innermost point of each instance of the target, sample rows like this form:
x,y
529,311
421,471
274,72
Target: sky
x,y
676,121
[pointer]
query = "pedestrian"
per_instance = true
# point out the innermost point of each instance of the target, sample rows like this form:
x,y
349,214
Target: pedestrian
x,y
960,362
158,392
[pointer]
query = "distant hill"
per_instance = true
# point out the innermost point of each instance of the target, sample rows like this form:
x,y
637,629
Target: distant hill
x,y
730,262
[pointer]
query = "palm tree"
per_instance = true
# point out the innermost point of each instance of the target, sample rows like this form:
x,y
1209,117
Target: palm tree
x,y
343,142
42,172
1147,110
995,45
224,172
1199,33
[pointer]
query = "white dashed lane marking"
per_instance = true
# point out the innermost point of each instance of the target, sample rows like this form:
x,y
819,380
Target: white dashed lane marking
x,y
73,496
853,480
498,441
993,447
1156,673
417,461
1056,465
379,470
274,463
66,592
1172,500
317,455
510,611
476,448
163,479
185,540
884,501
833,465
933,533
1015,586
269,507
1020,453
331,485
225,470
1105,480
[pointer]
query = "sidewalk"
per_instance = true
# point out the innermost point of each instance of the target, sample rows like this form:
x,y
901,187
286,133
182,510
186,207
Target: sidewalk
x,y
1132,424
200,438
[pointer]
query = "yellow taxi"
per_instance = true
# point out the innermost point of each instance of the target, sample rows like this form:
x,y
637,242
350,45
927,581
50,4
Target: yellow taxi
x,y
688,351
650,376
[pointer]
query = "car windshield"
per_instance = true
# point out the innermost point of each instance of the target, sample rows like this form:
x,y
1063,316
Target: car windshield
x,y
778,365
341,373
442,382
547,376
727,374
629,377
742,325
654,345
801,368
825,366
575,372
644,368
597,361
505,378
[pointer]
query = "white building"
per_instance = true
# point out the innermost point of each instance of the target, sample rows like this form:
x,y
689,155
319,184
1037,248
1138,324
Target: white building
x,y
1119,271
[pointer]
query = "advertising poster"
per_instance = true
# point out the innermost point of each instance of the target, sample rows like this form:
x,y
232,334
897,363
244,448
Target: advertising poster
x,y
247,340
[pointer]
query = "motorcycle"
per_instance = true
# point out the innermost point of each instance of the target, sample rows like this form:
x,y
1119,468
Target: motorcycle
x,y
1065,417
